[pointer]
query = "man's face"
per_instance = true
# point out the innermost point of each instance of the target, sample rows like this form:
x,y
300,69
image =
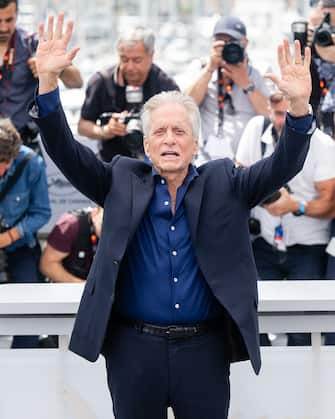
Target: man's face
x,y
135,62
8,17
4,166
170,143
278,114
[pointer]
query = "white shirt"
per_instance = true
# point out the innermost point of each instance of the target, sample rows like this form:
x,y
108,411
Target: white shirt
x,y
319,165
213,146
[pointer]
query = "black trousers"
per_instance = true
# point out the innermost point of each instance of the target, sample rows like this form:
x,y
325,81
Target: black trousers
x,y
147,374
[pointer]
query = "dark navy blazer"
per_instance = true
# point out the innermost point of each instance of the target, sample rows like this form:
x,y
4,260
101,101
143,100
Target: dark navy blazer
x,y
217,204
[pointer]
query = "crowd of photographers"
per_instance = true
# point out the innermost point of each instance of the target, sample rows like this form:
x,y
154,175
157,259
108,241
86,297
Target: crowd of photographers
x,y
292,232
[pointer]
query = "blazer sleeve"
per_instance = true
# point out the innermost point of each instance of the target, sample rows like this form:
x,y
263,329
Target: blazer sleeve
x,y
78,163
264,177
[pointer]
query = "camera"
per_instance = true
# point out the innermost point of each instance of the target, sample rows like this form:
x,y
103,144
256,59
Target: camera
x,y
132,119
253,223
299,30
233,52
134,100
323,33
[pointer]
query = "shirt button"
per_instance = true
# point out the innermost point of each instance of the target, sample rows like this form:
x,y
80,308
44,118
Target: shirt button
x,y
162,181
175,279
18,199
173,228
166,203
177,306
174,252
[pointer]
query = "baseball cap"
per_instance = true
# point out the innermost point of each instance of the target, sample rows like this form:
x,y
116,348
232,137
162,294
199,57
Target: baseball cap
x,y
230,25
327,3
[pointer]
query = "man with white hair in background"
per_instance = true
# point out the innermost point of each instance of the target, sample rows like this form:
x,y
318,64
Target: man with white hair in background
x,y
119,91
171,298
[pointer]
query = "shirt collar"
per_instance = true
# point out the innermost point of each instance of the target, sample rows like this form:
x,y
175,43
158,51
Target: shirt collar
x,y
191,174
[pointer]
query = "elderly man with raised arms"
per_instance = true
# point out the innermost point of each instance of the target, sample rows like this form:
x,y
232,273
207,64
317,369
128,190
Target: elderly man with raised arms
x,y
171,298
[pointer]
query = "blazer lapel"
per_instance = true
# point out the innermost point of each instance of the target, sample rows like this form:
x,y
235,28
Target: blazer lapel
x,y
142,190
193,200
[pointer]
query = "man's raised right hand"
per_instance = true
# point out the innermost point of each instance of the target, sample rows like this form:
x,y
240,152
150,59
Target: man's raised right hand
x,y
52,55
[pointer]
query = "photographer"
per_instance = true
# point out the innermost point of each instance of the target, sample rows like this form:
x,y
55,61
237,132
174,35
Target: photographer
x,y
294,228
24,209
114,97
71,245
18,75
229,91
321,37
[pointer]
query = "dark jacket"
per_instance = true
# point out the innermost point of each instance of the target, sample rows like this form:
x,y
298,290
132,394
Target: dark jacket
x,y
217,204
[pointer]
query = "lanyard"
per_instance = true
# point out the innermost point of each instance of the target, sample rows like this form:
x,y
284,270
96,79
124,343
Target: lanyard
x,y
224,99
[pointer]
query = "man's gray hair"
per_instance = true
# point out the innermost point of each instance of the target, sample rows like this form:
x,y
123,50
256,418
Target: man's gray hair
x,y
138,34
10,141
172,97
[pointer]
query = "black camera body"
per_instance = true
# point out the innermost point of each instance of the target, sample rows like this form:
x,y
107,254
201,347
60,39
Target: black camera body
x,y
233,52
254,223
323,33
299,29
132,120
134,132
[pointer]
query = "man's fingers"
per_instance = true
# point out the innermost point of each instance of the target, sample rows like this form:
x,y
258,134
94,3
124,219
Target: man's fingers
x,y
297,52
273,78
281,57
59,26
50,28
287,51
307,58
73,53
68,32
41,32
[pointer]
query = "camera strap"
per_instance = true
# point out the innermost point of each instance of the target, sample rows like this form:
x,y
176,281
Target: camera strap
x,y
223,98
13,178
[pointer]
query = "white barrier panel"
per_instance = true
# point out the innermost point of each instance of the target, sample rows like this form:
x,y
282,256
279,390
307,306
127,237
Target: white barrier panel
x,y
295,383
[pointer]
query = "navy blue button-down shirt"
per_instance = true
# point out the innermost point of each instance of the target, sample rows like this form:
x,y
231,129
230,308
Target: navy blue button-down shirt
x,y
161,281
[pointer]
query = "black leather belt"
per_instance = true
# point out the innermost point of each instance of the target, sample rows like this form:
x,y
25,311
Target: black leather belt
x,y
173,331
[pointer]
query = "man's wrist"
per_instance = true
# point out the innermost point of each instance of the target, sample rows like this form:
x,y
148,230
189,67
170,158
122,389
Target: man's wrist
x,y
300,209
248,88
47,84
209,70
299,108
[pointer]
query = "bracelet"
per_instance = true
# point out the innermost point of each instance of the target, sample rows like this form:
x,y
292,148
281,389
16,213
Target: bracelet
x,y
10,236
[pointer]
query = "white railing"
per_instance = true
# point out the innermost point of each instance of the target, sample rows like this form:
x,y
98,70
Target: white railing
x,y
294,382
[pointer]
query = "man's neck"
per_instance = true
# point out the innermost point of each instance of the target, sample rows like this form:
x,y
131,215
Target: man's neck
x,y
174,181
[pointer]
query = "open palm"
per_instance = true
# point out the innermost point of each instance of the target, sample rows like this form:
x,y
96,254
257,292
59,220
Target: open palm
x,y
52,54
295,81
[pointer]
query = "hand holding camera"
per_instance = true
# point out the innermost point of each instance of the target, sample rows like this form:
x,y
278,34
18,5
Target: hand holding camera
x,y
322,37
283,205
115,125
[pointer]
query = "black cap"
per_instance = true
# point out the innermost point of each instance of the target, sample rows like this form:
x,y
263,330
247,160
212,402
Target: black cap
x,y
327,3
231,26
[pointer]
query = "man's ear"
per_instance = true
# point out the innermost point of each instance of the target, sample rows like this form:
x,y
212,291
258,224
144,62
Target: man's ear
x,y
146,146
196,147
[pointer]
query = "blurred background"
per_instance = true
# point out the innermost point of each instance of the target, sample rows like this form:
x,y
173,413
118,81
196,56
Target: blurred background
x,y
182,27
